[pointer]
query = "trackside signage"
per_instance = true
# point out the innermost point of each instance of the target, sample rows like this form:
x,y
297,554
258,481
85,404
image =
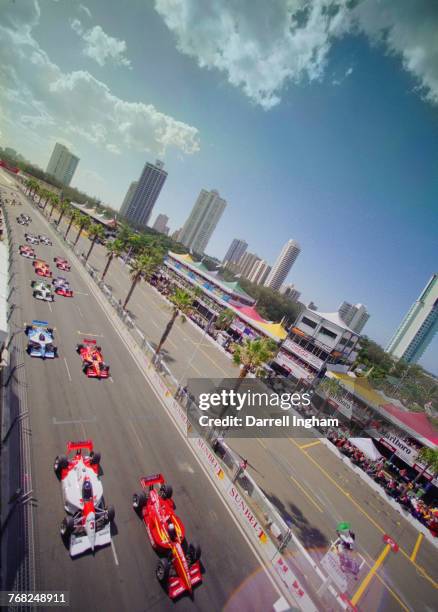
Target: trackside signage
x,y
209,458
290,581
243,509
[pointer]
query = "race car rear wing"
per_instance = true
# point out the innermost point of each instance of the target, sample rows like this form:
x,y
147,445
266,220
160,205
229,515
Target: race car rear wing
x,y
79,445
37,323
150,481
89,341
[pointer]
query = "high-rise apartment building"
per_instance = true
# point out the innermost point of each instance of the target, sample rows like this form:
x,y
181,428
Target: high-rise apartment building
x,y
160,224
146,193
246,263
355,316
128,197
202,221
418,327
62,164
259,272
291,292
282,266
235,251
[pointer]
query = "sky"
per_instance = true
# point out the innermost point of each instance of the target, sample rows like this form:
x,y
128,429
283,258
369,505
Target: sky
x,y
316,121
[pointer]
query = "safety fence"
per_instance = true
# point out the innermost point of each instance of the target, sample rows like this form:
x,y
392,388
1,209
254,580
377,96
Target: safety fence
x,y
18,506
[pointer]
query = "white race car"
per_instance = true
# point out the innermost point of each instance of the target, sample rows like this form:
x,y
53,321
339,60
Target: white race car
x,y
45,240
31,238
42,291
88,523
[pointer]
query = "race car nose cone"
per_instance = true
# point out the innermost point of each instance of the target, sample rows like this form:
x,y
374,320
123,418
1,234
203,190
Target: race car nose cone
x,y
90,528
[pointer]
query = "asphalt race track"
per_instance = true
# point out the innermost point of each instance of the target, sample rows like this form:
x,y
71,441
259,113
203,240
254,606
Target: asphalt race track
x,y
135,437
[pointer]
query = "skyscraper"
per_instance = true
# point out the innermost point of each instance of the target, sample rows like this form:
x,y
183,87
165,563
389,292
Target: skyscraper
x,y
418,327
202,221
282,266
259,272
354,316
235,251
146,193
62,164
291,292
160,224
128,197
246,263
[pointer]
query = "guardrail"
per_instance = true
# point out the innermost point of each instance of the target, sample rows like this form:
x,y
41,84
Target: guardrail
x,y
259,518
18,505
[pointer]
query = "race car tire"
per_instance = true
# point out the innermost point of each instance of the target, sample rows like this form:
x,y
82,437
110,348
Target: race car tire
x,y
110,514
98,348
67,526
79,347
50,330
95,458
139,500
166,491
162,571
60,463
193,553
55,351
34,294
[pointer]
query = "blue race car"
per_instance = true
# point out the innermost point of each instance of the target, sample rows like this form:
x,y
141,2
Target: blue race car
x,y
41,340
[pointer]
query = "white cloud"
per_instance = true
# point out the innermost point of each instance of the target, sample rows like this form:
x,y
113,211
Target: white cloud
x,y
100,46
37,95
85,10
262,46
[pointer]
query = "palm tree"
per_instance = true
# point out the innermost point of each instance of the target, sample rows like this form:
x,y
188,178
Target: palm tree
x,y
253,354
225,319
95,233
113,249
75,216
143,266
55,202
182,303
64,208
84,223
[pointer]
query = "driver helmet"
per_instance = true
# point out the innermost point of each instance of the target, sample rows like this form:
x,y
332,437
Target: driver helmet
x,y
41,337
87,490
172,531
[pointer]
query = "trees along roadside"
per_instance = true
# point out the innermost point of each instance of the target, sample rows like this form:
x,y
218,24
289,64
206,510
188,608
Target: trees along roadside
x,y
75,216
64,208
182,302
84,224
95,233
143,266
253,355
113,249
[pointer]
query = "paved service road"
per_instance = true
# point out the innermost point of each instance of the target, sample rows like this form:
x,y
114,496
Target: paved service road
x,y
135,437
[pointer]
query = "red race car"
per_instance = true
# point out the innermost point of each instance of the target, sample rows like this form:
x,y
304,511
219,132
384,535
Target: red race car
x,y
62,264
27,251
93,363
63,288
41,267
179,568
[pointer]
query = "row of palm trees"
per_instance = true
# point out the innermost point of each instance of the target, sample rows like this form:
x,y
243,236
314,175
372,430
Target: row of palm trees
x,y
146,255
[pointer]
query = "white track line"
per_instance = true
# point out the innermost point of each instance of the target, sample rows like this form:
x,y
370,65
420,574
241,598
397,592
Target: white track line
x,y
113,548
68,371
134,431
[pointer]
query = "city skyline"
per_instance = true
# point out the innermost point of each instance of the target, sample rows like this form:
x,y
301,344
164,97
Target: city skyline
x,y
340,153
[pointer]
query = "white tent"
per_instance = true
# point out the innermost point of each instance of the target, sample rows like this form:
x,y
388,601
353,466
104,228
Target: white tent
x,y
366,445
